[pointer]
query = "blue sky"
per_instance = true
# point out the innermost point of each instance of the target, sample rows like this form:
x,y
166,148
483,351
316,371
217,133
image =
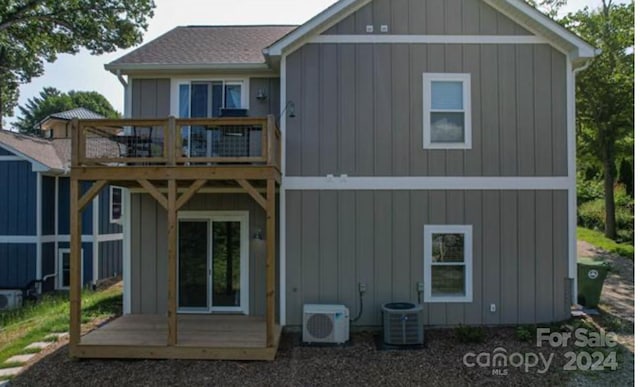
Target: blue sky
x,y
85,72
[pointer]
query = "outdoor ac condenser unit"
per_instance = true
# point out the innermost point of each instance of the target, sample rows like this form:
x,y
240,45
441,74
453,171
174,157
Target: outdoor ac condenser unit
x,y
10,299
325,324
403,323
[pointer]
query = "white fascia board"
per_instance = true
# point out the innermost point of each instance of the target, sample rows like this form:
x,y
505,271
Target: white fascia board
x,y
582,48
331,183
334,11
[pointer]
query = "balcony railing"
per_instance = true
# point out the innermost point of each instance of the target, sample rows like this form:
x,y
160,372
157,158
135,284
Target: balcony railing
x,y
176,142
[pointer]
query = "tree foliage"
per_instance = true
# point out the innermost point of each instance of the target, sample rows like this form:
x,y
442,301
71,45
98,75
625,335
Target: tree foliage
x,y
50,100
604,95
549,7
35,31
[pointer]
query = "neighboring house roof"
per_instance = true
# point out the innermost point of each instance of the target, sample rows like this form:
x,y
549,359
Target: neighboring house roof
x,y
54,155
38,151
198,46
80,113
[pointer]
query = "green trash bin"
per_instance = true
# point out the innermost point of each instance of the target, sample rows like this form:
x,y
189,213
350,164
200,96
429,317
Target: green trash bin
x,y
591,275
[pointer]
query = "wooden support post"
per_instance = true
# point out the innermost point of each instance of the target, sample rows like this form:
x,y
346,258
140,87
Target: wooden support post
x,y
75,287
172,226
270,266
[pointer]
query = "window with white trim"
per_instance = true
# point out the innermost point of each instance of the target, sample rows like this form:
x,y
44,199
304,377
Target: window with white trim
x,y
115,204
448,263
447,111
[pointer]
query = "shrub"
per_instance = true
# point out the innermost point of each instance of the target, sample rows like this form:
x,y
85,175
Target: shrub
x,y
526,332
589,190
467,334
592,214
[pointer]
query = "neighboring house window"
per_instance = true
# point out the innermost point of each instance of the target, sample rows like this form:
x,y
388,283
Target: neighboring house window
x,y
448,263
447,111
207,99
115,205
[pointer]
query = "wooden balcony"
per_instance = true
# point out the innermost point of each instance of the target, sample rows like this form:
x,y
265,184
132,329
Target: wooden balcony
x,y
158,149
172,160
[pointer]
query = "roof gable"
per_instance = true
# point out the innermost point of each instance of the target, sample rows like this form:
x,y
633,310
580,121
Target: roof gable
x,y
517,10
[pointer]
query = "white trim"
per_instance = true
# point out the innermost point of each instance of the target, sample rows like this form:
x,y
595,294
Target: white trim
x,y
425,183
95,228
59,271
39,225
222,216
430,39
283,201
11,158
126,253
109,237
427,81
467,231
128,99
341,7
18,239
111,219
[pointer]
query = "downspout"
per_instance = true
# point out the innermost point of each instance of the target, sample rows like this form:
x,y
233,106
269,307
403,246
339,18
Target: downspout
x,y
573,200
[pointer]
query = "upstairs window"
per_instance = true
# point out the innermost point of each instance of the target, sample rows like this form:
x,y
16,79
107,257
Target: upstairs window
x,y
447,111
448,263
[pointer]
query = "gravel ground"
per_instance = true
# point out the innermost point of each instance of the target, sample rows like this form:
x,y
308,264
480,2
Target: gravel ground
x,y
440,363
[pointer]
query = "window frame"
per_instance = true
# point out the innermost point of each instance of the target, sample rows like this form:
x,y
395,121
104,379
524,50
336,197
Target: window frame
x,y
111,218
427,80
467,231
244,92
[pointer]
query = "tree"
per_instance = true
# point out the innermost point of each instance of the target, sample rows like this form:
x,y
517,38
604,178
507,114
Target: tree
x,y
34,31
50,100
549,7
604,93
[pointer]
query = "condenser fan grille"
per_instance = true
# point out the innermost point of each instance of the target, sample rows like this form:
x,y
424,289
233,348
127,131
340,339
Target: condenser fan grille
x,y
320,326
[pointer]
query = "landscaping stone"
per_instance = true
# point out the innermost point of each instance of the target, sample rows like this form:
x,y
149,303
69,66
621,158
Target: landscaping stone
x,y
38,344
4,383
20,358
56,335
10,371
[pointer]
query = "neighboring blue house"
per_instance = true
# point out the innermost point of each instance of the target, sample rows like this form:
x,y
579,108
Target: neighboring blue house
x,y
34,214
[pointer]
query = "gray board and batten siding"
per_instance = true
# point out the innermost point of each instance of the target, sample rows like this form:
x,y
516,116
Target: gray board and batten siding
x,y
337,239
149,249
428,17
354,115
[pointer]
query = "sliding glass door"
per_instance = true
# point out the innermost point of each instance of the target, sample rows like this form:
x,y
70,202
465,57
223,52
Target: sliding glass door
x,y
213,262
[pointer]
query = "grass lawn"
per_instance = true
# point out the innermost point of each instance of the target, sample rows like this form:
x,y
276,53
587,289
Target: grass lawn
x,y
598,239
21,327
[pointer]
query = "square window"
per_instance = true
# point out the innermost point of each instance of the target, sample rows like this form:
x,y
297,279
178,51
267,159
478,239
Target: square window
x,y
448,263
447,111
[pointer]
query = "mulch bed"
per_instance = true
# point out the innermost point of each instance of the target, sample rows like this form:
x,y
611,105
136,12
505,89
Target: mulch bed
x,y
357,364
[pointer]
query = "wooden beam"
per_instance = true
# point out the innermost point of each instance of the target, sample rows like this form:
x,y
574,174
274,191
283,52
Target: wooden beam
x,y
195,187
150,173
253,192
270,266
153,191
75,264
90,194
172,234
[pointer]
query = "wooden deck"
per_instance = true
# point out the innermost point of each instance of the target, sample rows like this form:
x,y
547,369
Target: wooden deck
x,y
199,337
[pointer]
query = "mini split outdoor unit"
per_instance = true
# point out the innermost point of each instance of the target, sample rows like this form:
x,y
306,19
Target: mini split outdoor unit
x,y
10,299
403,323
325,324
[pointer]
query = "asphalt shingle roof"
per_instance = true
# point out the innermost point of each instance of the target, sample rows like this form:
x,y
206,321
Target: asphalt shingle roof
x,y
192,45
